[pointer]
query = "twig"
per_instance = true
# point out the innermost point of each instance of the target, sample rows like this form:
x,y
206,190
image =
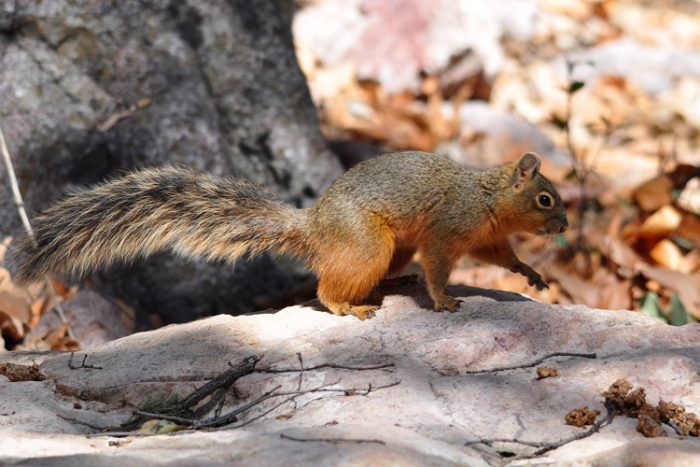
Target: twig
x,y
124,434
293,399
213,421
346,391
19,203
301,371
326,365
259,416
672,423
222,381
546,446
230,417
83,364
79,422
332,440
532,364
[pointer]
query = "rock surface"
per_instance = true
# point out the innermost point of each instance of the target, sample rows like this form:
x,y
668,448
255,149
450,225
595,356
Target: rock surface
x,y
431,411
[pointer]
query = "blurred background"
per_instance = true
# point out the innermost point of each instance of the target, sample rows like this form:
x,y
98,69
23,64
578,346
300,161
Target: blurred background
x,y
290,94
608,92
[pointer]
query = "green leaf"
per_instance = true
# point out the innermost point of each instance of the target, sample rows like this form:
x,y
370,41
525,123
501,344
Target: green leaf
x,y
575,86
158,427
679,315
571,174
561,241
650,306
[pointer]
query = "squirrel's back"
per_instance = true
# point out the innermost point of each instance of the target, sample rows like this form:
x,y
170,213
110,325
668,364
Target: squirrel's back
x,y
408,191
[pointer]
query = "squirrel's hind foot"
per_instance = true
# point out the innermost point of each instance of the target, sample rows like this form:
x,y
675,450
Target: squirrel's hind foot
x,y
448,303
361,312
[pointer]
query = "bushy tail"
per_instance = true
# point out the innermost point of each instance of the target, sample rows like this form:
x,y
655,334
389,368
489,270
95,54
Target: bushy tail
x,y
193,214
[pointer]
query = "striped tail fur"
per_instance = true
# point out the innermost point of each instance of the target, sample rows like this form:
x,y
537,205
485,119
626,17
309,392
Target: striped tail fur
x,y
193,214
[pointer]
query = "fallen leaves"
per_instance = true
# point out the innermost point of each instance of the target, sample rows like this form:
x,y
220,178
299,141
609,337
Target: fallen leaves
x,y
21,309
15,372
650,418
581,417
546,372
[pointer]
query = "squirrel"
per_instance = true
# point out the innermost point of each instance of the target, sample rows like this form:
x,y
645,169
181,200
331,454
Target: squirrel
x,y
368,224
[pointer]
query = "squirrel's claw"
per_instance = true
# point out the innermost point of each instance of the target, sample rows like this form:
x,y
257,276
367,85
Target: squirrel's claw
x,y
533,277
361,312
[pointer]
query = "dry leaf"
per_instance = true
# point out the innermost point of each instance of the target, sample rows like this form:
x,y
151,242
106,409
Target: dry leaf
x,y
613,294
16,306
580,290
690,228
686,285
11,327
668,255
613,248
660,224
38,308
689,199
546,372
654,194
59,341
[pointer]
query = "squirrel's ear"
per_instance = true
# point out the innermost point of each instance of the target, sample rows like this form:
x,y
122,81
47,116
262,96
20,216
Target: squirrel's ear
x,y
527,167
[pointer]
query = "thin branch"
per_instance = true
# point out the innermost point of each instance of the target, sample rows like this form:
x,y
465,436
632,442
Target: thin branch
x,y
214,421
222,381
301,372
346,391
83,364
532,364
80,422
19,203
325,365
259,416
546,446
230,417
233,415
124,434
14,186
607,420
332,440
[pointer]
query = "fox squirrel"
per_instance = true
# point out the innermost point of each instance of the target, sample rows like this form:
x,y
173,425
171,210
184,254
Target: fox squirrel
x,y
368,224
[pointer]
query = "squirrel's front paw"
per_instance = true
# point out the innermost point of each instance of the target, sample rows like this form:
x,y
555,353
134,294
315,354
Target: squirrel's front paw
x,y
446,303
533,277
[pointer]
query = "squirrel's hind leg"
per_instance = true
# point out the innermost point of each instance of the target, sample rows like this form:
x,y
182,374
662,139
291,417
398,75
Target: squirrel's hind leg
x,y
347,280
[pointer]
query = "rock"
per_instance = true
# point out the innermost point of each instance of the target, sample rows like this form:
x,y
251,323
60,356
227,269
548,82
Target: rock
x,y
90,89
427,409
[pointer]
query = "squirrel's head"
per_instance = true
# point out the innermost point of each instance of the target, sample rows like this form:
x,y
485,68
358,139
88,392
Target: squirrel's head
x,y
538,205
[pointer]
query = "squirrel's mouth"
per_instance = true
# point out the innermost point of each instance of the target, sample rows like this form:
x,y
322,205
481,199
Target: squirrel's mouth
x,y
550,231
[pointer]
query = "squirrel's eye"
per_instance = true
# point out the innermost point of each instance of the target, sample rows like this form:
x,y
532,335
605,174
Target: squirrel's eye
x,y
544,200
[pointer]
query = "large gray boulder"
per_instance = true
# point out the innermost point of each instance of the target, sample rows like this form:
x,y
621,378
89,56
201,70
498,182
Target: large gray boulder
x,y
90,89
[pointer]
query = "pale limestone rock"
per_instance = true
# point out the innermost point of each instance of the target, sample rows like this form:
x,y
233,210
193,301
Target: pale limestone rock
x,y
426,419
